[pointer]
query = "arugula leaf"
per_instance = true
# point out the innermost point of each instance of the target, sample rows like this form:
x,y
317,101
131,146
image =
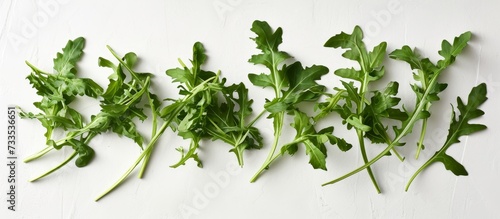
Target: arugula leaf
x,y
205,115
58,90
302,87
120,104
292,85
312,140
199,90
365,117
64,63
426,74
459,127
227,121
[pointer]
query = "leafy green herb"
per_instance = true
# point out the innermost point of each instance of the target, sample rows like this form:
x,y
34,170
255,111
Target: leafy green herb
x,y
367,115
207,108
227,121
458,127
199,114
58,91
205,115
426,74
425,94
119,106
292,84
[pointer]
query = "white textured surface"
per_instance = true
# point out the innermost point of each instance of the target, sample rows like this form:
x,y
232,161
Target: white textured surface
x,y
161,31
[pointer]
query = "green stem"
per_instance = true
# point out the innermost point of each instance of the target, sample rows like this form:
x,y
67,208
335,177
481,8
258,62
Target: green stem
x,y
421,140
37,70
256,118
420,144
56,167
360,133
153,133
38,154
278,126
138,160
266,164
365,159
430,161
193,145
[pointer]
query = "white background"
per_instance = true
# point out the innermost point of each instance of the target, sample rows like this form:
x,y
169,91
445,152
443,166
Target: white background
x,y
161,31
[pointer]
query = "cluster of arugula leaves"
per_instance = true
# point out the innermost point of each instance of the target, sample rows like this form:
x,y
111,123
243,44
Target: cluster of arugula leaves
x,y
381,106
207,108
360,108
292,84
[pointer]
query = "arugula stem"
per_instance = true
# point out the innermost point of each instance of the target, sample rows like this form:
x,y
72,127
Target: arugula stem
x,y
360,133
395,152
406,129
56,167
427,163
256,118
37,70
273,158
365,159
422,137
149,148
278,126
420,144
38,154
153,133
192,149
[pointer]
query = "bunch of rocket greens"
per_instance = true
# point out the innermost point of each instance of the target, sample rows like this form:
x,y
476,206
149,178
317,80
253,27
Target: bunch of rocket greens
x,y
206,108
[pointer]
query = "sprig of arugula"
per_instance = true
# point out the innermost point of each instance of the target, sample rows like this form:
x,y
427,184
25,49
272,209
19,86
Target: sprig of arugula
x,y
120,104
58,91
357,111
227,121
425,94
426,74
459,127
198,114
292,84
206,115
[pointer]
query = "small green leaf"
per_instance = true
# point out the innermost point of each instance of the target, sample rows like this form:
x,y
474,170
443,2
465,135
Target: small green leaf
x,y
449,52
180,75
261,80
349,73
65,62
356,123
316,157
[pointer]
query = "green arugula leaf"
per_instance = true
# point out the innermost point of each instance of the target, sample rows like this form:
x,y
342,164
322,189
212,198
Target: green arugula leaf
x,y
365,121
227,121
459,127
60,89
450,51
271,57
292,85
427,74
65,63
312,140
